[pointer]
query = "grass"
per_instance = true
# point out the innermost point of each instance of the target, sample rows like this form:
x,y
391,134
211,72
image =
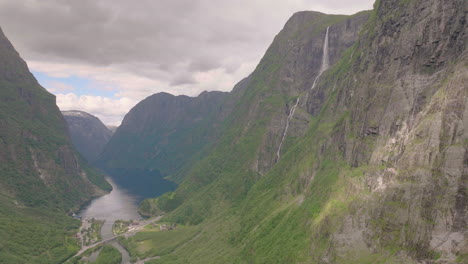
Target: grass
x,y
108,255
152,242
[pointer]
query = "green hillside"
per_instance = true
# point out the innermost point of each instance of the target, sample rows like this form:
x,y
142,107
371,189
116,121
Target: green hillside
x,y
41,176
164,132
374,162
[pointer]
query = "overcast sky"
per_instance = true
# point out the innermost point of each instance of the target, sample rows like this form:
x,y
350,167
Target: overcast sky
x,y
104,56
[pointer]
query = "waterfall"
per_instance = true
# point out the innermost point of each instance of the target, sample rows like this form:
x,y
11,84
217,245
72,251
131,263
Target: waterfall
x,y
324,67
325,58
291,114
325,63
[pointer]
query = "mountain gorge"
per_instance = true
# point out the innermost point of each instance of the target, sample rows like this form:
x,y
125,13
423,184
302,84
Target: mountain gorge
x,y
367,165
41,176
348,143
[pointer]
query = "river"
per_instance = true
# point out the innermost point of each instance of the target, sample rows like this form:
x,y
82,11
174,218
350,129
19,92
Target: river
x,y
130,187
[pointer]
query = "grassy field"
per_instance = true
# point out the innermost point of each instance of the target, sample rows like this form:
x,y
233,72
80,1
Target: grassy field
x,y
108,255
152,242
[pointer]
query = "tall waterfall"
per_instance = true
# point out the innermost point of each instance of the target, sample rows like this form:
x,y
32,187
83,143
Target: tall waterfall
x,y
324,67
325,58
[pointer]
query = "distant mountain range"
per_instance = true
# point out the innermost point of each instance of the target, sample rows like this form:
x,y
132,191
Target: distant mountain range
x,y
88,133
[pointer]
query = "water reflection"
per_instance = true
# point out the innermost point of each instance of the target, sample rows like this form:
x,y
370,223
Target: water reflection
x,y
130,187
118,204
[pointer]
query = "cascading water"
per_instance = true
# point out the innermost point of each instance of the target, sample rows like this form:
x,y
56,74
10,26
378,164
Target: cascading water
x,y
325,58
325,63
324,66
291,114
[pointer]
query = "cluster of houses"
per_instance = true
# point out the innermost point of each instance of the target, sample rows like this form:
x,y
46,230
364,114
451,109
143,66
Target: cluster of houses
x,y
165,227
76,216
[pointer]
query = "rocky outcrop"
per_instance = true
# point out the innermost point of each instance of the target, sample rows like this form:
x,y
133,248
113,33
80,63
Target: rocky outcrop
x,y
89,135
407,102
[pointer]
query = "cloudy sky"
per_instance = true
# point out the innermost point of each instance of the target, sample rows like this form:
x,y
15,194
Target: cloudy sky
x,y
104,56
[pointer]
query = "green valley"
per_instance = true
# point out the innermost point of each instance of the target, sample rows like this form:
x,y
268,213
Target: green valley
x,y
348,143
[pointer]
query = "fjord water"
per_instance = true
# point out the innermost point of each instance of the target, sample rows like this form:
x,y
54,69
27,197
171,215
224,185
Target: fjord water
x,y
130,187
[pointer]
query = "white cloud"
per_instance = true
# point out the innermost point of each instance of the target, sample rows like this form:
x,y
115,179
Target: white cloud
x,y
110,111
131,88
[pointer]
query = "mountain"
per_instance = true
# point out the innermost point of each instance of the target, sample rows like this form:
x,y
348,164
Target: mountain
x,y
89,135
164,131
363,161
41,177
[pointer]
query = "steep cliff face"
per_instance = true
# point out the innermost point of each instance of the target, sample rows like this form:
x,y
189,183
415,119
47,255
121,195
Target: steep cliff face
x,y
373,168
89,135
253,132
403,106
36,155
298,55
164,131
38,168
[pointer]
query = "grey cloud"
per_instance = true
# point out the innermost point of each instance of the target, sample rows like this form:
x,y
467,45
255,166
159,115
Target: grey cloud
x,y
204,63
182,80
169,40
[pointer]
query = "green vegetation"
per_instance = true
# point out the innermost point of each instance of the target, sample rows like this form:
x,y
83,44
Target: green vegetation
x,y
245,217
153,242
157,206
337,188
92,234
41,177
121,226
34,235
108,255
97,178
165,140
318,203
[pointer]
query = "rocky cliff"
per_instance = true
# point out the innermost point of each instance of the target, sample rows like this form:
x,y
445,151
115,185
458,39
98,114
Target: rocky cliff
x,y
373,164
41,176
164,131
89,135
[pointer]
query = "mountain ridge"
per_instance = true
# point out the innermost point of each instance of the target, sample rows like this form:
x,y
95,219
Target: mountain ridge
x,y
373,169
89,135
164,131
